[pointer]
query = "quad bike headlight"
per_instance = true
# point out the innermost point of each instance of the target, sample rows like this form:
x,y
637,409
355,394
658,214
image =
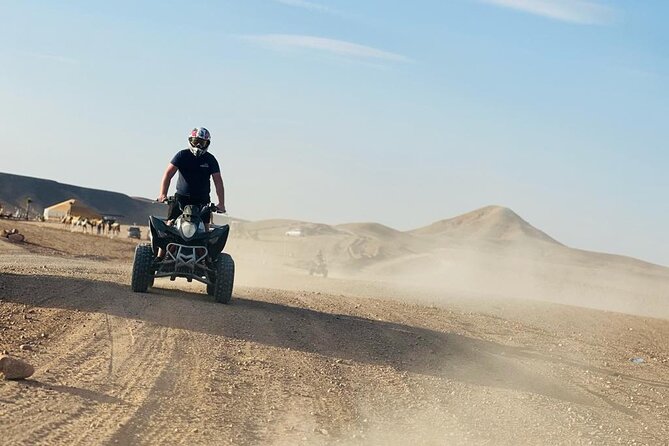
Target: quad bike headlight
x,y
188,229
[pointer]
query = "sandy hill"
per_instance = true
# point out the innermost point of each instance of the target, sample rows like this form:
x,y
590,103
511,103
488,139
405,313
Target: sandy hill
x,y
15,189
490,222
279,228
378,242
375,230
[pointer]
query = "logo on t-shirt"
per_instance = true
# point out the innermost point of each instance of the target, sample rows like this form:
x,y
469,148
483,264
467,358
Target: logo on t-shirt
x,y
204,165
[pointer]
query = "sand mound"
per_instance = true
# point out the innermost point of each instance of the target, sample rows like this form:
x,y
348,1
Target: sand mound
x,y
374,230
488,223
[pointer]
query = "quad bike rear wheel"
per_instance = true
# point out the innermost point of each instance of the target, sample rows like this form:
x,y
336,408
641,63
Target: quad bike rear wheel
x,y
142,275
225,278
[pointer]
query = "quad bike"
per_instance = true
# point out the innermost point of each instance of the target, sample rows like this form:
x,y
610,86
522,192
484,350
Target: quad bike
x,y
190,251
318,269
318,266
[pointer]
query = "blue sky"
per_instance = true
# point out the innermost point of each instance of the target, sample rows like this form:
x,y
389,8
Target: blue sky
x,y
337,111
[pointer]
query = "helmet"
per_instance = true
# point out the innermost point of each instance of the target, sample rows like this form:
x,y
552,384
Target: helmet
x,y
199,140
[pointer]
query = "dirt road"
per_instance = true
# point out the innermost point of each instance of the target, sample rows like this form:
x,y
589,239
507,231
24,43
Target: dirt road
x,y
308,367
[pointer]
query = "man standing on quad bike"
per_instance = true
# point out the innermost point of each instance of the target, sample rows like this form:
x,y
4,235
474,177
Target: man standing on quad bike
x,y
183,245
195,166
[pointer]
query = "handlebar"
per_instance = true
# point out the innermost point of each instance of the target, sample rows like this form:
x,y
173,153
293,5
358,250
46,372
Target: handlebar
x,y
211,206
168,200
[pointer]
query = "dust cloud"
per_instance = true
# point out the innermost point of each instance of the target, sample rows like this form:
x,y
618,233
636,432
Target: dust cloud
x,y
490,253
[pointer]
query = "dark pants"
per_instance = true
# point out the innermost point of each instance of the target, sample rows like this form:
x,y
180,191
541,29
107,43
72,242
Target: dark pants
x,y
176,207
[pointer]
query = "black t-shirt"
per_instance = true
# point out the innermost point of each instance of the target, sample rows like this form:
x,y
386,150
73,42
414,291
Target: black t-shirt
x,y
194,174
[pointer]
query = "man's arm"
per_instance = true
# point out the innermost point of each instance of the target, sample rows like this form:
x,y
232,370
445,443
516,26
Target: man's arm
x,y
167,178
220,191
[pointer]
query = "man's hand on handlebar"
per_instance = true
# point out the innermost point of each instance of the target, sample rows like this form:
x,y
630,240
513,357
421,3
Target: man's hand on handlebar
x,y
165,199
221,208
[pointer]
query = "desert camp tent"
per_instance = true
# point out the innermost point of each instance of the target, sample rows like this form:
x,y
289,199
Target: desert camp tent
x,y
69,207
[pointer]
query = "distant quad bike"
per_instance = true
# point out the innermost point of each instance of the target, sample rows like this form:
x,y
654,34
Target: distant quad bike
x,y
318,267
189,252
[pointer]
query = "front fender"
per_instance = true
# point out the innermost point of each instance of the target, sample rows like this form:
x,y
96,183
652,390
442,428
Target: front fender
x,y
218,237
161,233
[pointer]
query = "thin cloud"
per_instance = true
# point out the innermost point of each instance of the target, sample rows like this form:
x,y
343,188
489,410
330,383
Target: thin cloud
x,y
308,5
585,12
338,47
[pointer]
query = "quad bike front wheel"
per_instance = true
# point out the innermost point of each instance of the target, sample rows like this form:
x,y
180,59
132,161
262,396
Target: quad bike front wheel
x,y
225,278
142,276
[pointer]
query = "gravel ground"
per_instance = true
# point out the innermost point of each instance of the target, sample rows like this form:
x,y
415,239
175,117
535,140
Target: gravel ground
x,y
308,365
